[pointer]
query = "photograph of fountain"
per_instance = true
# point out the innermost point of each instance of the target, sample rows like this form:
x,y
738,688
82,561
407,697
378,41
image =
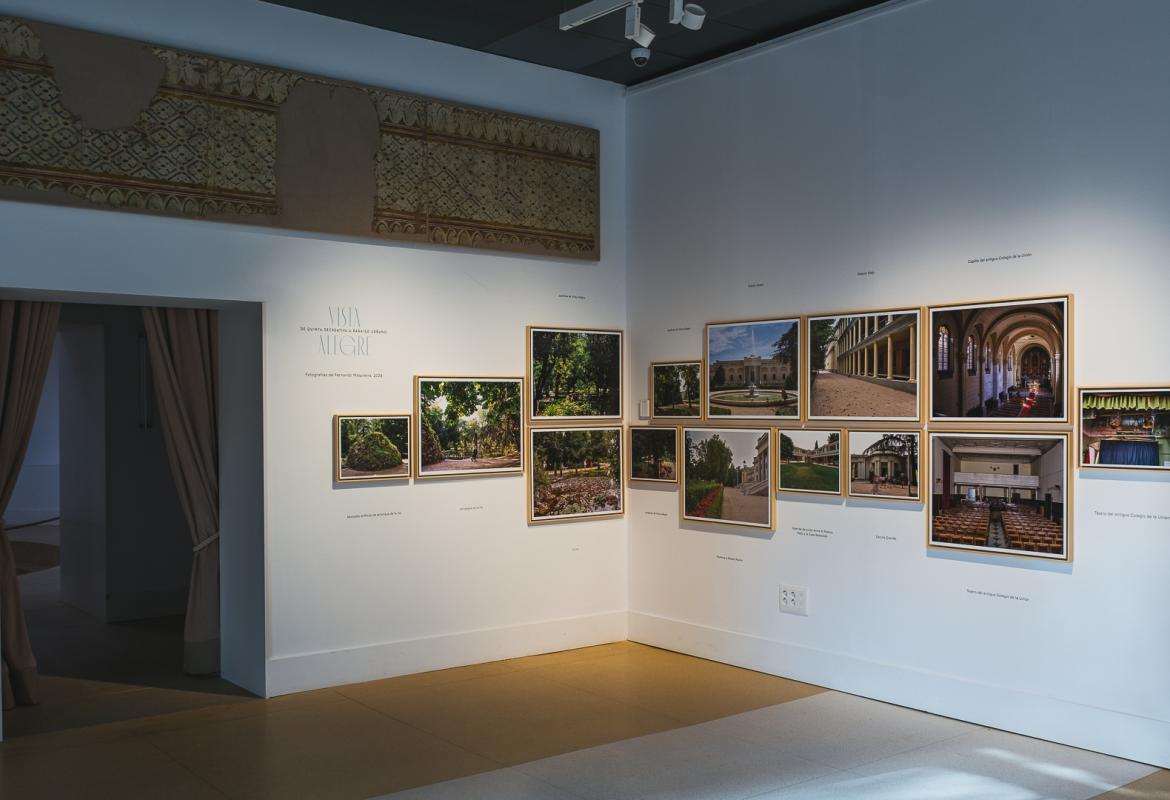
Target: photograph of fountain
x,y
752,368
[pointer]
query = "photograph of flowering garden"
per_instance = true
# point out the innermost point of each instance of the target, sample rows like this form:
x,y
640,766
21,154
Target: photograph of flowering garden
x,y
372,448
575,373
469,426
727,476
576,473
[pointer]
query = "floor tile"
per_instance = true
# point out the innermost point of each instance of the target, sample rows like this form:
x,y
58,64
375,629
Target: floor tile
x,y
571,656
840,730
1155,786
519,716
681,687
501,784
370,690
1028,765
332,750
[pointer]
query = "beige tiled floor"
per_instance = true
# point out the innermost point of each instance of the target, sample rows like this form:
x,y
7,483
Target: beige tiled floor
x,y
383,736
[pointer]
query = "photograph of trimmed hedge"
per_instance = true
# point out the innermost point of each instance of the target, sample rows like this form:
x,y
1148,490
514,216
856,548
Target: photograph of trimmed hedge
x,y
576,473
371,448
575,374
727,476
468,426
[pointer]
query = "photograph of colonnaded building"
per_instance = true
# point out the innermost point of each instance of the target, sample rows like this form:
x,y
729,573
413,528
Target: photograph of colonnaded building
x,y
1006,360
864,366
999,491
883,464
752,368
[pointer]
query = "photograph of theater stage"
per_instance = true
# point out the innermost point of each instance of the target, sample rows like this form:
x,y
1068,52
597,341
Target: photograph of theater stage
x,y
1006,360
1000,491
864,366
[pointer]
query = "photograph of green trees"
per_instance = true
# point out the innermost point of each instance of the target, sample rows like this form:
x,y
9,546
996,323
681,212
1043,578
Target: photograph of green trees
x,y
727,476
576,473
468,426
371,448
676,389
810,461
654,454
575,373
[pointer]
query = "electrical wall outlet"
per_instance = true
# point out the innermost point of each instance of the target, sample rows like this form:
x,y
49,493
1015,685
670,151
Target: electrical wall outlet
x,y
794,600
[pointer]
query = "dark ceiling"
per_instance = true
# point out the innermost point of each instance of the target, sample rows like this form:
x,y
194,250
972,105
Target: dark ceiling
x,y
527,29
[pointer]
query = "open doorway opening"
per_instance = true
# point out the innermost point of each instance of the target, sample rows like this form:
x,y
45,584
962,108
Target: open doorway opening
x,y
102,540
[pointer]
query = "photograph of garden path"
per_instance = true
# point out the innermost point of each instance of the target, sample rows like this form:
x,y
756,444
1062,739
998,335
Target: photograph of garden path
x,y
864,366
810,461
576,473
883,464
727,476
371,448
676,390
574,373
469,426
753,369
654,454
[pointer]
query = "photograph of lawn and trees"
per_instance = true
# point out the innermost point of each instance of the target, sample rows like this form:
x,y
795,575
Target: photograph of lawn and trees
x,y
654,454
575,373
371,448
753,369
726,476
810,461
576,473
676,389
469,426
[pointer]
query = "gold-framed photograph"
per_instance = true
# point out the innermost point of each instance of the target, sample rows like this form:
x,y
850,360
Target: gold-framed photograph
x,y
884,465
752,369
1001,492
653,453
1001,362
575,473
371,447
676,390
574,374
1125,428
809,460
468,426
727,477
865,366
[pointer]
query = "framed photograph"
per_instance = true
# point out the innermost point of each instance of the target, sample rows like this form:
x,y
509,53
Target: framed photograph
x,y
371,447
864,366
574,374
654,454
1003,362
468,426
1000,492
753,368
576,473
1125,428
884,464
676,390
727,476
810,461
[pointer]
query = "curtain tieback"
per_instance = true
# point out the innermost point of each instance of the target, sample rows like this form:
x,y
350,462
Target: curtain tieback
x,y
213,537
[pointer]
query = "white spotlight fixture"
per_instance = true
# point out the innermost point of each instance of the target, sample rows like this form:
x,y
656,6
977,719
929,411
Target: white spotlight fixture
x,y
635,31
690,15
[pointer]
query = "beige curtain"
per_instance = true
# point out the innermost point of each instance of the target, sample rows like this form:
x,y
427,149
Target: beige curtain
x,y
27,331
184,354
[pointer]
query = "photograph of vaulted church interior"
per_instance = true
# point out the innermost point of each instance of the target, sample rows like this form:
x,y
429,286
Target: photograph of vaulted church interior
x,y
864,366
884,464
1001,492
753,369
1125,428
1006,360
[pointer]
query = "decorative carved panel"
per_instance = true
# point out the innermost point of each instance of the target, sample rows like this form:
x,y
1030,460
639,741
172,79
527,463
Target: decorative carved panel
x,y
212,143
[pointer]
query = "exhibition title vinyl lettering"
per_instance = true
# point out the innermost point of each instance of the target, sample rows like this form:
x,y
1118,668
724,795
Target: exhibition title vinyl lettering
x,y
344,336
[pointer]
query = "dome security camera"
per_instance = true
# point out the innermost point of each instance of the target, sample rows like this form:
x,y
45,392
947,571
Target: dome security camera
x,y
640,56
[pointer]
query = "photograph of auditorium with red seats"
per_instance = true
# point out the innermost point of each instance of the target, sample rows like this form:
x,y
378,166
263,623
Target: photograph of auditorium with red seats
x,y
1007,360
1000,492
1125,428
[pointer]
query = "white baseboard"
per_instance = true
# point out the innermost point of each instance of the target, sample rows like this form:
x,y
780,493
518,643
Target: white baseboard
x,y
1116,733
298,673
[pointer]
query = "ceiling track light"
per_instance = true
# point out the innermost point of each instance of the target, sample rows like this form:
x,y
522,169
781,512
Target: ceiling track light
x,y
689,15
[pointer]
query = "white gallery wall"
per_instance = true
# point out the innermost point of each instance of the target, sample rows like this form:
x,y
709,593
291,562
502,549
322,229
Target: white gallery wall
x,y
869,165
369,580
